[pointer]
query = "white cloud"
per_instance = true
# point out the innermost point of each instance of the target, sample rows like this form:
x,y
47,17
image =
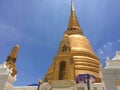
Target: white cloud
x,y
108,49
109,44
8,32
104,46
118,40
100,51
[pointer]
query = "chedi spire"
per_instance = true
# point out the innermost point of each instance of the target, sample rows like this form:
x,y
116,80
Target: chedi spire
x,y
73,23
11,59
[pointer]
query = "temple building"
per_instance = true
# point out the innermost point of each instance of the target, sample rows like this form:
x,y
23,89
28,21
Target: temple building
x,y
74,67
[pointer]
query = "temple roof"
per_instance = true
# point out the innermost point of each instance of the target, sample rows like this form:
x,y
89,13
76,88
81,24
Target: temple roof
x,y
33,84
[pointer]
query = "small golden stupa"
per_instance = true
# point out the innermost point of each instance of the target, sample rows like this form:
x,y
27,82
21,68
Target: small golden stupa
x,y
75,55
11,59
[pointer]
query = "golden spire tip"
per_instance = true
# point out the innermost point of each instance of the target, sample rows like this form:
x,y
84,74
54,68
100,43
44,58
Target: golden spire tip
x,y
17,45
14,51
72,5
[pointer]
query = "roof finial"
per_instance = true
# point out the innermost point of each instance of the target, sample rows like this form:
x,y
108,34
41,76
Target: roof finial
x,y
73,24
14,51
11,59
72,6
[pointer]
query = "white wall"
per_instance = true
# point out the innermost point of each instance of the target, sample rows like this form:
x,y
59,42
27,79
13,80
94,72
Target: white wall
x,y
25,88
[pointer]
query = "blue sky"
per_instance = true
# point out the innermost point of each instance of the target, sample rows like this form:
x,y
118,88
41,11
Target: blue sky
x,y
38,26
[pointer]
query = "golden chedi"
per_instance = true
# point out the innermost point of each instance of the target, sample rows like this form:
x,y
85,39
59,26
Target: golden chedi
x,y
11,59
75,55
